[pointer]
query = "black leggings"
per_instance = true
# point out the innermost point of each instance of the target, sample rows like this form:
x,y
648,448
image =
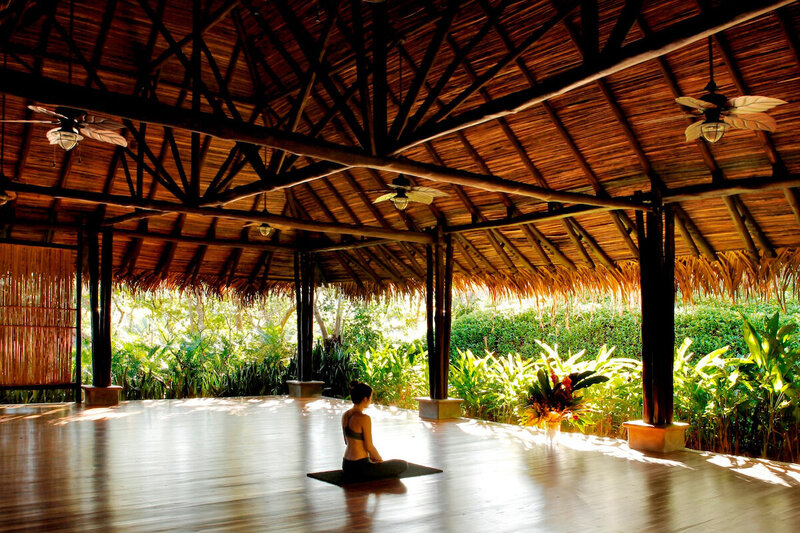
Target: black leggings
x,y
367,470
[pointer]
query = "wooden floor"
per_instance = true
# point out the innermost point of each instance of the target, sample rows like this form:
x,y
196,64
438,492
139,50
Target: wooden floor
x,y
240,464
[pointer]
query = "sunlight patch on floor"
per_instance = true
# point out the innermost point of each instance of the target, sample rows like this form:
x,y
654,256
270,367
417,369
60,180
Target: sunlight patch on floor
x,y
784,474
93,415
530,437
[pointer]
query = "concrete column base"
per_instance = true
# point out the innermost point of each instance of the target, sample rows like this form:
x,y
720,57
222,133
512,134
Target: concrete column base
x,y
101,396
305,389
439,409
650,438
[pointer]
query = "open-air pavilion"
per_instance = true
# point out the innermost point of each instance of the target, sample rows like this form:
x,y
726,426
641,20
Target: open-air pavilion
x,y
533,147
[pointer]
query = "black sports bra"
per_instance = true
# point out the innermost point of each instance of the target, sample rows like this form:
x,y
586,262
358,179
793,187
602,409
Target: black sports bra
x,y
349,432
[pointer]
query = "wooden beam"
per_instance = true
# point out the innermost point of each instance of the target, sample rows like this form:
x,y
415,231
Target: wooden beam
x,y
306,43
218,16
590,31
431,53
47,90
623,25
537,33
539,216
731,187
598,251
576,241
546,243
433,94
741,228
379,81
704,246
301,100
205,241
348,245
687,236
756,231
672,38
272,220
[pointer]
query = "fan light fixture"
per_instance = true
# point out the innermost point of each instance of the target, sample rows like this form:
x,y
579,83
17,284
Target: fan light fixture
x,y
713,131
4,196
66,137
400,200
265,229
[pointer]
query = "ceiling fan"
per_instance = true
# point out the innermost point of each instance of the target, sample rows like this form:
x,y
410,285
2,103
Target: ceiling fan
x,y
74,125
719,113
403,193
264,229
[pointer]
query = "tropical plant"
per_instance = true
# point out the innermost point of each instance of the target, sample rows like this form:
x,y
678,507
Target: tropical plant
x,y
334,366
265,376
772,370
560,400
469,380
708,393
608,403
396,373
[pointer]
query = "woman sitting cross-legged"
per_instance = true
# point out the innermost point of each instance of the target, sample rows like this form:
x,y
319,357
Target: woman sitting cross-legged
x,y
361,460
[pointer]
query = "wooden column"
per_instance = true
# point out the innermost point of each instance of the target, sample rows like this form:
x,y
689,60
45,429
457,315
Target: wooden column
x,y
102,367
94,302
304,385
78,308
101,393
656,233
438,306
656,431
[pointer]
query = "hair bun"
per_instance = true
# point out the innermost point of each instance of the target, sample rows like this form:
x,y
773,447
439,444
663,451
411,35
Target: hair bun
x,y
353,384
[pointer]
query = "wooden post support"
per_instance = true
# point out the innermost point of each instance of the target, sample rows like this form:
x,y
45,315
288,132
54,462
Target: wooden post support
x,y
438,306
78,307
304,385
101,393
656,235
94,300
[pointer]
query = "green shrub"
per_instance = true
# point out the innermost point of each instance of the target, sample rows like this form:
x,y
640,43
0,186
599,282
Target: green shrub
x,y
397,373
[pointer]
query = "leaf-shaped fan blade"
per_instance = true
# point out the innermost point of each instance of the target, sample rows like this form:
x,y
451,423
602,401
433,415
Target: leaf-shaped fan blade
x,y
434,193
754,121
421,197
46,111
30,121
745,105
696,103
387,196
693,131
106,136
101,123
52,136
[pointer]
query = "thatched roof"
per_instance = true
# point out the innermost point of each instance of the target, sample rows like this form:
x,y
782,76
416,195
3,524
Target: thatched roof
x,y
521,113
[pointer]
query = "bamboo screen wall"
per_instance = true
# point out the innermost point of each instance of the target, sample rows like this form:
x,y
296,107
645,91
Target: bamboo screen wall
x,y
37,315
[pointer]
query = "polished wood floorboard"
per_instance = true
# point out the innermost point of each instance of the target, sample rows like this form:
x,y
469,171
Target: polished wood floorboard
x,y
241,464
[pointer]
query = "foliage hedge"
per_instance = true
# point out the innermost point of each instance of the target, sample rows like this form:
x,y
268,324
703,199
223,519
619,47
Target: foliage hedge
x,y
711,324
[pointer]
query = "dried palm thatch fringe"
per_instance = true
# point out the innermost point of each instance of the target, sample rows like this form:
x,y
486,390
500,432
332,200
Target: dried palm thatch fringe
x,y
733,275
37,315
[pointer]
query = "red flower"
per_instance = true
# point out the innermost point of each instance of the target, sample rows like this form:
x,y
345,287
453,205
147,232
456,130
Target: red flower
x,y
554,377
567,383
574,417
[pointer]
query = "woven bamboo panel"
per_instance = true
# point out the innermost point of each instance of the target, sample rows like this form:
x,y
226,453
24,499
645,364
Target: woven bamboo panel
x,y
37,315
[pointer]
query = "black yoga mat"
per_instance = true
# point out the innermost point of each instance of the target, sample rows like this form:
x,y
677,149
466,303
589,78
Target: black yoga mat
x,y
337,477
